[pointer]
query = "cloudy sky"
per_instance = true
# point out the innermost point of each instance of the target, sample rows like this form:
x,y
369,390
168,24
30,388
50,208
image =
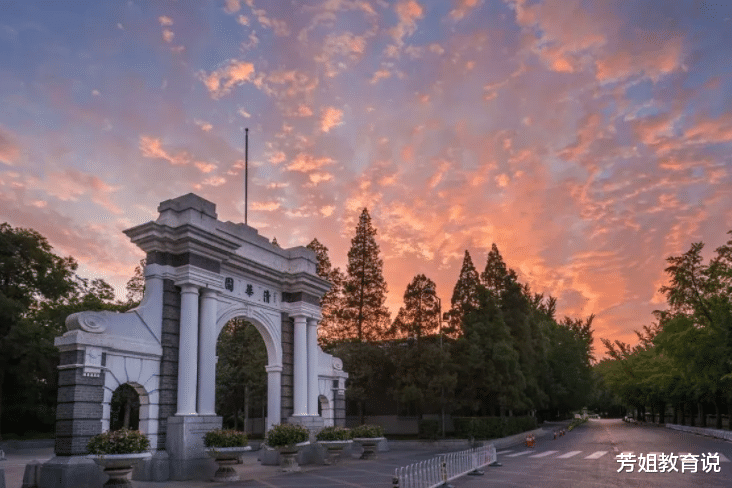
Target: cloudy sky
x,y
588,140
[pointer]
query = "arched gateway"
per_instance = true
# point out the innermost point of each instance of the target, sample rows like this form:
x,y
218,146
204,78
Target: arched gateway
x,y
200,273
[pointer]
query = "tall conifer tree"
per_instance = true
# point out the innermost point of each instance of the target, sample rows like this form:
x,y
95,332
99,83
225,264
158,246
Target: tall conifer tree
x,y
496,274
465,295
364,314
420,314
331,326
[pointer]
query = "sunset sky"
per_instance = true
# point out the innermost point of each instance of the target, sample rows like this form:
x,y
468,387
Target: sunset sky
x,y
588,140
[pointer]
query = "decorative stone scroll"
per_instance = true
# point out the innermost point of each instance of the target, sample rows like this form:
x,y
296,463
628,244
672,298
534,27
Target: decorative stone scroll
x,y
95,322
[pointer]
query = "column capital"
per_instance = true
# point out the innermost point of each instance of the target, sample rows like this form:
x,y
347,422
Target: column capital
x,y
189,288
209,292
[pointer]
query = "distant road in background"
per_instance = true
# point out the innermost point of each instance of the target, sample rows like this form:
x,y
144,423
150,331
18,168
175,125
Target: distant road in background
x,y
586,457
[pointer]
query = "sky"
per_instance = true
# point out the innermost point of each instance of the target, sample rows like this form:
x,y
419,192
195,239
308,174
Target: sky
x,y
588,140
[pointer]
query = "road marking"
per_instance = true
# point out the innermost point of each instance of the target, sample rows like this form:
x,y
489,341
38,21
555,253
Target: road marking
x,y
542,454
504,452
569,454
520,453
596,455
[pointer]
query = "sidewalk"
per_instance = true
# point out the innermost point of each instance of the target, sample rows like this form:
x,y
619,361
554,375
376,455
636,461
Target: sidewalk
x,y
349,472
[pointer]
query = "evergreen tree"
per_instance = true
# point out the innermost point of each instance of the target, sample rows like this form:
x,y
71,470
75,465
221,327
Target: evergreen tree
x,y
331,326
495,277
364,315
420,314
464,296
491,379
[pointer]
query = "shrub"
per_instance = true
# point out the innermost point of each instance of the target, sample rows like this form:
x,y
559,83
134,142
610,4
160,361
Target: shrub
x,y
225,438
123,441
286,435
429,429
492,427
334,434
368,431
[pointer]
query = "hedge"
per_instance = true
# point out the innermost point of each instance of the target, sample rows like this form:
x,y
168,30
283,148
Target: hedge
x,y
492,427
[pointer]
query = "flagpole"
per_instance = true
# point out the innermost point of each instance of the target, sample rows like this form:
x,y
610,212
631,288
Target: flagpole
x,y
246,175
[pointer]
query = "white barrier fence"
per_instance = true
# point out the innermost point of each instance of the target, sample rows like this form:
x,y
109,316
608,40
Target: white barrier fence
x,y
438,471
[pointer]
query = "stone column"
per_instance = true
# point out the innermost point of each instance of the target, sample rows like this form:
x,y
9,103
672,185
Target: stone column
x,y
312,345
188,351
207,354
300,373
274,390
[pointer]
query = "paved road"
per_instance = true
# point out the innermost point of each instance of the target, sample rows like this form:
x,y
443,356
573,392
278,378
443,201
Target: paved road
x,y
586,457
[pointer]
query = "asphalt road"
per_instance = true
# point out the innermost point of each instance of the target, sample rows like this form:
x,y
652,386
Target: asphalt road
x,y
588,457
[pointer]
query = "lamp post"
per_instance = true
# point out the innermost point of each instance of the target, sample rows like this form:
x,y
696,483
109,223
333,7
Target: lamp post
x,y
442,365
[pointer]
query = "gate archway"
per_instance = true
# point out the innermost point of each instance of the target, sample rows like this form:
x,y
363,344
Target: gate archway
x,y
200,273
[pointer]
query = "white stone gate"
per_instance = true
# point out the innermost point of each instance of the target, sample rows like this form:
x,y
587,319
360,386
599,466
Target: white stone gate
x,y
200,273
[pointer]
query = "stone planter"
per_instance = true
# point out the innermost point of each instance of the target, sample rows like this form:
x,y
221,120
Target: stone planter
x,y
369,446
118,466
226,457
335,449
288,463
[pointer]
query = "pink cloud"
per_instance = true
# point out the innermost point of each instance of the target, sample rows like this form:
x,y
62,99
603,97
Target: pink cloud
x,y
221,81
153,148
330,117
462,8
9,151
306,162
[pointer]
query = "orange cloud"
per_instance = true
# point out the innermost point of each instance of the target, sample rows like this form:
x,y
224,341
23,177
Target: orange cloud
x,y
153,148
330,117
266,206
306,162
221,81
408,12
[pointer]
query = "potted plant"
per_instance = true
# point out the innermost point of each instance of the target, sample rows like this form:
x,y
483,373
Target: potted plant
x,y
287,439
334,439
226,447
117,452
368,436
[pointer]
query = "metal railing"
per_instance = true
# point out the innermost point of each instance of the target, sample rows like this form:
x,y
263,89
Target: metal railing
x,y
438,471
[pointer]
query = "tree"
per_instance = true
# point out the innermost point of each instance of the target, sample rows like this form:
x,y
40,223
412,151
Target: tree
x,y
420,314
30,273
241,380
364,315
496,274
331,326
464,296
490,379
136,285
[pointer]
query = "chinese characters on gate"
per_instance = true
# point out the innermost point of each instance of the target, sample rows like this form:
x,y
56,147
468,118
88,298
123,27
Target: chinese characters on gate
x,y
663,463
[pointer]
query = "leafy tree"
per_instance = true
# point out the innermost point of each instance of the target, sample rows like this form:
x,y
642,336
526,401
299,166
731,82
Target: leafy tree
x,y
363,312
420,314
136,285
331,326
464,296
241,380
30,273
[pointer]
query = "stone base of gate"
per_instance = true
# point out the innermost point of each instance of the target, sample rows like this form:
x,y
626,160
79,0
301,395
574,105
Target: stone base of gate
x,y
184,444
70,471
314,423
157,468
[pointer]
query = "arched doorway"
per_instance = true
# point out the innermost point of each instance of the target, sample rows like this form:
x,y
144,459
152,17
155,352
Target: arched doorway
x,y
241,379
124,409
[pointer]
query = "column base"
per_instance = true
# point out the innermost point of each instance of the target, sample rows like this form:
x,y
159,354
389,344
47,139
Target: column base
x,y
70,471
184,444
